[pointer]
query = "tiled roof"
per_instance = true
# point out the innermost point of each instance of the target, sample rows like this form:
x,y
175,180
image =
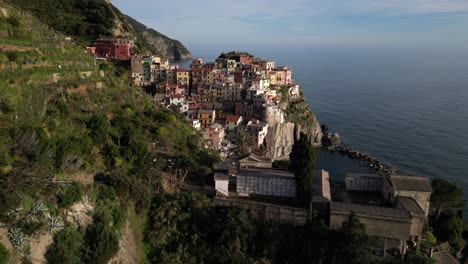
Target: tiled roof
x,y
411,183
232,118
203,111
411,205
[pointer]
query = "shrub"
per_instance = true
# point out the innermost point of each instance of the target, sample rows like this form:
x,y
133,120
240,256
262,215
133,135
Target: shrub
x,y
4,255
67,247
70,195
14,21
12,56
102,240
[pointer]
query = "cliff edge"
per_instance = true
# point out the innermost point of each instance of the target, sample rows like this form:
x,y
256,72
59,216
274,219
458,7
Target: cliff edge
x,y
294,118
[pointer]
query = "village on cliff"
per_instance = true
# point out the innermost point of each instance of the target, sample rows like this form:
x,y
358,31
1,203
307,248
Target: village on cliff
x,y
251,111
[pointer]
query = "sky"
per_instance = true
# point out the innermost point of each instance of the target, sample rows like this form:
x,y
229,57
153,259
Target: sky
x,y
379,23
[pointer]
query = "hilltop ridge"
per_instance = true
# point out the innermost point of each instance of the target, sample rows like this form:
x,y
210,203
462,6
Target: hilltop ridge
x,y
87,21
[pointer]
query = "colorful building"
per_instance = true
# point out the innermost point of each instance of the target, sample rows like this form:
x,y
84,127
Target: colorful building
x,y
206,117
120,49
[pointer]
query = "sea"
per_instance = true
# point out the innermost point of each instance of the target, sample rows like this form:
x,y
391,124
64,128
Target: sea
x,y
407,107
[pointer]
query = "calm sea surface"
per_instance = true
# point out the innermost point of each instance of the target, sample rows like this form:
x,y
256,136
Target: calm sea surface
x,y
407,108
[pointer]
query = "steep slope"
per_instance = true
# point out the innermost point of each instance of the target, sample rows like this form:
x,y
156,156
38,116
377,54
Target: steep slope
x,y
87,21
64,119
172,49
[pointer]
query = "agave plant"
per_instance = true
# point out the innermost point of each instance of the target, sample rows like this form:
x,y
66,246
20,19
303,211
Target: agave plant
x,y
54,225
17,237
37,209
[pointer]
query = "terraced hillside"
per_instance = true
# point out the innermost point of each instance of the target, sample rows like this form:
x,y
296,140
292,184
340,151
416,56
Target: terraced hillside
x,y
81,153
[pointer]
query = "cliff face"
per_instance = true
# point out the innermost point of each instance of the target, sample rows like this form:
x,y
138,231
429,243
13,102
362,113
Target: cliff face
x,y
167,47
299,119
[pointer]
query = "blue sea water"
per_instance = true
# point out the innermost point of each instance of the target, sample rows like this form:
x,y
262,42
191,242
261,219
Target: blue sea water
x,y
406,107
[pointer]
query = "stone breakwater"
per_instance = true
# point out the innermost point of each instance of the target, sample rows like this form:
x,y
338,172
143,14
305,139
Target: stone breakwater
x,y
372,162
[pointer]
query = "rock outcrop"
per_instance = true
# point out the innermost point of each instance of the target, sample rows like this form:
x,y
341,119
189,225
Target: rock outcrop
x,y
299,121
168,48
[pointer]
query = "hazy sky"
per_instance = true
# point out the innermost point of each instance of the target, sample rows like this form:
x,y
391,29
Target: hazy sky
x,y
399,23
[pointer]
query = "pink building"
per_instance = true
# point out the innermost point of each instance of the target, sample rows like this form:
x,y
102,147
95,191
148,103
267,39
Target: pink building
x,y
216,134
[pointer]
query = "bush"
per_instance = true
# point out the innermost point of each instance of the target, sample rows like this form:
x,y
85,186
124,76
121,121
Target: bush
x,y
102,240
12,56
14,21
4,255
70,195
67,248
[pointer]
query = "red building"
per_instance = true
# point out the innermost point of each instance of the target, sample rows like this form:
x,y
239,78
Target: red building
x,y
120,49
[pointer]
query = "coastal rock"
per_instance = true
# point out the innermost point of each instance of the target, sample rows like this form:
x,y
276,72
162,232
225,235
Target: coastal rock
x,y
280,137
279,140
331,140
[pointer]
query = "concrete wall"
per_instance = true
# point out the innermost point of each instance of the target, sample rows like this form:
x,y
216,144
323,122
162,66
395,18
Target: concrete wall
x,y
357,183
267,211
377,226
222,186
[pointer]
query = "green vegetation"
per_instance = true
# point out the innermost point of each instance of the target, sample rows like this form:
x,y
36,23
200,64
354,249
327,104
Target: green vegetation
x,y
60,127
4,255
303,157
87,20
57,125
68,247
446,196
69,195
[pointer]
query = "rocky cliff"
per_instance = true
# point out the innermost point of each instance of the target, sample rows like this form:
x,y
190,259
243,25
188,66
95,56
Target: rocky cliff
x,y
167,47
299,120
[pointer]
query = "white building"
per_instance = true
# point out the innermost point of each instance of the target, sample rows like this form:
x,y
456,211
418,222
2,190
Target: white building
x,y
179,101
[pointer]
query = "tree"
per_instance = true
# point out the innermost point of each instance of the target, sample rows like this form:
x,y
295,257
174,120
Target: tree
x,y
445,196
67,248
354,245
101,239
303,157
415,258
450,228
242,145
4,255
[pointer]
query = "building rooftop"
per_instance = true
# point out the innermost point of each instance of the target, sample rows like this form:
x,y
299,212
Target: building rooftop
x,y
221,176
204,111
266,173
410,205
265,182
323,185
370,210
411,183
216,125
232,118
364,175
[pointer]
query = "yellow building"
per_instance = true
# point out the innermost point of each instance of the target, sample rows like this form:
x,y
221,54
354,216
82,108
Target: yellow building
x,y
206,117
183,77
